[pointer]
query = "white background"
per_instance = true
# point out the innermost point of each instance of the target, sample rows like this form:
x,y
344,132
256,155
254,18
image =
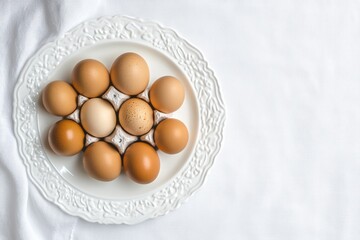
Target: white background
x,y
289,167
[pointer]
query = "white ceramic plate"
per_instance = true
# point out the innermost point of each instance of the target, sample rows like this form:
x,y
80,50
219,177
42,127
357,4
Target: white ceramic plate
x,y
62,180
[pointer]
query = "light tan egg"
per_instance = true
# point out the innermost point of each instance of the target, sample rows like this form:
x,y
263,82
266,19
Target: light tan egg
x,y
101,161
171,136
98,117
141,162
59,98
130,73
66,137
90,78
136,116
167,94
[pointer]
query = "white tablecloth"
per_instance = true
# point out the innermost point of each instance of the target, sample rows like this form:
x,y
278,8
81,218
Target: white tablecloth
x,y
289,72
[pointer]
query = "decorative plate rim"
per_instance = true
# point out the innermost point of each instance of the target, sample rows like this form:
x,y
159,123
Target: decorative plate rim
x,y
192,176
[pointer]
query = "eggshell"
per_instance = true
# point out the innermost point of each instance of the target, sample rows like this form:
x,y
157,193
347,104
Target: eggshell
x,y
167,94
141,162
90,78
66,137
136,116
130,73
98,117
59,98
171,136
101,161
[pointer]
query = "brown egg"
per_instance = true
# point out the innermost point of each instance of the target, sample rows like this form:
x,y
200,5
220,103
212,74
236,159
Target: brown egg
x,y
136,116
167,94
90,78
59,98
98,117
141,162
102,162
66,137
171,136
130,73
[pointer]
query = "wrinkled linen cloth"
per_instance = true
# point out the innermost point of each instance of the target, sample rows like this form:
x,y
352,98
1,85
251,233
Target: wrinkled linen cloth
x,y
289,167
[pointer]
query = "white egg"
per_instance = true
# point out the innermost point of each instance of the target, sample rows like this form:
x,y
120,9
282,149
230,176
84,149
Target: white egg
x,y
98,117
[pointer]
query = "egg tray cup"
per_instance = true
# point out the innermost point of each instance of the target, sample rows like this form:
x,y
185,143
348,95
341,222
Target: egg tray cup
x,y
119,137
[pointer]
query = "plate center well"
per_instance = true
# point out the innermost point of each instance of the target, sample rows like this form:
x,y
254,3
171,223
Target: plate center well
x,y
71,169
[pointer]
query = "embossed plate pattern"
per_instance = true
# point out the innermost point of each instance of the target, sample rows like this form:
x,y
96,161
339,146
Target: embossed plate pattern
x,y
151,204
